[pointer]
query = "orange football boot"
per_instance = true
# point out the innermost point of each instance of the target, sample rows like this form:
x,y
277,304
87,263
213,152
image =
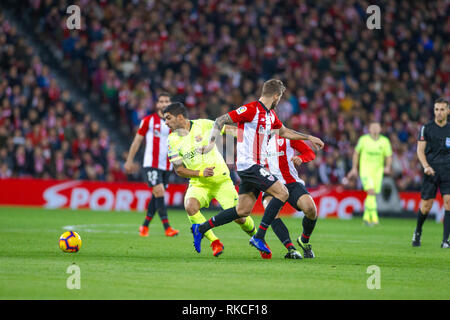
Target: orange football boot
x,y
217,248
171,232
143,231
266,255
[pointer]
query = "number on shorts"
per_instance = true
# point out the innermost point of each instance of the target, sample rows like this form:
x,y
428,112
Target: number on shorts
x,y
152,176
264,172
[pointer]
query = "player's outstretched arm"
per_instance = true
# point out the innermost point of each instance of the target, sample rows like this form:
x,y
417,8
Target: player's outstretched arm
x,y
129,165
216,131
294,135
218,125
306,153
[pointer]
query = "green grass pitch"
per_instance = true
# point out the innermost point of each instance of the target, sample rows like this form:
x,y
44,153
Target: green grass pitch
x,y
116,263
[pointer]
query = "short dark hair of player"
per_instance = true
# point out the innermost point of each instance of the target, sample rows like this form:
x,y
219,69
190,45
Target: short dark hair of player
x,y
272,87
176,109
442,100
164,94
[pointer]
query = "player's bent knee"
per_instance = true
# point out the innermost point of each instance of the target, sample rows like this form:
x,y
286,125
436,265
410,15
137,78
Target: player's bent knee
x,y
446,205
240,221
243,212
191,210
283,194
158,191
426,205
446,198
192,206
279,191
310,212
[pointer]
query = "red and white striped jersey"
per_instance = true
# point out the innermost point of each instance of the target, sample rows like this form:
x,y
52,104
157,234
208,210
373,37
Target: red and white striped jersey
x,y
280,153
255,123
156,133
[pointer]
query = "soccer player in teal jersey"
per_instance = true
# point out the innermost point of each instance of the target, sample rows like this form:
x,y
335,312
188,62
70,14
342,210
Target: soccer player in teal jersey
x,y
373,154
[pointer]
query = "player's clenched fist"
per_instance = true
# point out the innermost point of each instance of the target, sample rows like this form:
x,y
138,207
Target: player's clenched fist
x,y
130,167
429,171
297,161
208,172
317,143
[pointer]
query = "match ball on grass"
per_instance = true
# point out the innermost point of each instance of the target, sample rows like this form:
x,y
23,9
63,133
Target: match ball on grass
x,y
70,242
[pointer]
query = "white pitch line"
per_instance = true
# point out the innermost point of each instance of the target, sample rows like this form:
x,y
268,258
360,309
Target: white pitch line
x,y
97,228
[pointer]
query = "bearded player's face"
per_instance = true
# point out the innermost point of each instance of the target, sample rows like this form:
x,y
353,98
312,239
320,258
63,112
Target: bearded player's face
x,y
171,121
276,101
163,101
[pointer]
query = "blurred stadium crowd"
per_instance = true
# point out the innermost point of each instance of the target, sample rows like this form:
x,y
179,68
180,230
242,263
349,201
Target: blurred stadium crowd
x,y
43,132
214,56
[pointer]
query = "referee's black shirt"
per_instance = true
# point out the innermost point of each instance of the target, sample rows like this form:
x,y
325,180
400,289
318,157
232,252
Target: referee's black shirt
x,y
437,150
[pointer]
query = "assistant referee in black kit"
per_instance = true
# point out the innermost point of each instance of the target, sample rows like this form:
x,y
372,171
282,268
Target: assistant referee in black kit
x,y
433,151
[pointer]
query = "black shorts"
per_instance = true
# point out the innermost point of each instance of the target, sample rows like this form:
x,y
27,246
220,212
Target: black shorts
x,y
296,190
155,176
440,180
255,179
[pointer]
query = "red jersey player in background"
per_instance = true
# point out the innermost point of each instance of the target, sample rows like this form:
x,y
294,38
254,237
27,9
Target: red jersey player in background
x,y
256,121
156,163
282,162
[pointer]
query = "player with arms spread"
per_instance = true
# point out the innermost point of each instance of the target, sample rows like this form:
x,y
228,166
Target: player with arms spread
x,y
209,176
373,153
433,151
255,121
156,164
282,161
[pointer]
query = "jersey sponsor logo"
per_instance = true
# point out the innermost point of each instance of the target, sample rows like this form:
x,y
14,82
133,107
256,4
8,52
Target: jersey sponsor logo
x,y
190,154
447,142
241,110
275,154
157,133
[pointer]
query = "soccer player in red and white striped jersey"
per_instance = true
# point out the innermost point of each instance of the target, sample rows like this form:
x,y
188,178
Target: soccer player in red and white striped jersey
x,y
255,120
156,163
282,162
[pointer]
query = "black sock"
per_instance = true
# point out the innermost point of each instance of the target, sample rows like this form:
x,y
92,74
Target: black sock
x,y
420,220
270,213
308,228
219,219
446,225
282,232
162,211
150,212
